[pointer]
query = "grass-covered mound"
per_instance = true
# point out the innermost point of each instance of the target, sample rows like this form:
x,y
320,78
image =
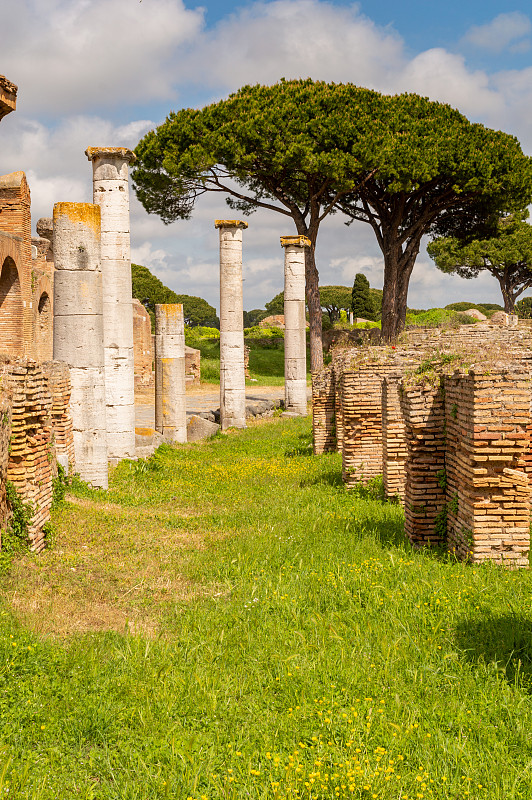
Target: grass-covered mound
x,y
288,643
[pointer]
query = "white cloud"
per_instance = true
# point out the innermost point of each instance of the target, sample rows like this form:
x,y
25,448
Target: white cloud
x,y
295,38
80,61
445,77
504,31
74,55
155,260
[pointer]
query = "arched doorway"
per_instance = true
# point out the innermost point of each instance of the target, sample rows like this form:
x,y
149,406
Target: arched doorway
x,y
11,310
43,329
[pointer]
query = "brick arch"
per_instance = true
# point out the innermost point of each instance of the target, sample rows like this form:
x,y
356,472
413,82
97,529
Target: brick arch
x,y
11,310
43,328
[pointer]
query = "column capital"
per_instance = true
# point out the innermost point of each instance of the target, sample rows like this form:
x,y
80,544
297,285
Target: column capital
x,y
295,241
230,223
111,152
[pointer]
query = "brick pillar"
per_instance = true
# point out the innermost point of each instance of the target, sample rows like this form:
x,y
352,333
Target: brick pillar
x,y
323,418
425,496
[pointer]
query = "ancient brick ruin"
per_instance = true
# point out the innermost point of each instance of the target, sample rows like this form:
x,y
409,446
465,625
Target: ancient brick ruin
x,y
445,417
57,303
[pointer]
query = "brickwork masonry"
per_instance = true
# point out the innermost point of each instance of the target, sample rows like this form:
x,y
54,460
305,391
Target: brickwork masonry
x,y
448,425
35,428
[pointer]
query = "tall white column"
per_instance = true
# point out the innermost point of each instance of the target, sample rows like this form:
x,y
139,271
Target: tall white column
x,y
170,388
232,367
295,346
111,193
78,331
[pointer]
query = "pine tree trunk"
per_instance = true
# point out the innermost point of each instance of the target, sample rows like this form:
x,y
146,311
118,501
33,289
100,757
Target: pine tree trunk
x,y
314,310
313,295
397,271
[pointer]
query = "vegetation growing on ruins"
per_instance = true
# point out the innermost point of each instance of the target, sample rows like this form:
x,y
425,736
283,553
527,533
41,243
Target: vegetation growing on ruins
x,y
14,539
507,255
243,651
524,308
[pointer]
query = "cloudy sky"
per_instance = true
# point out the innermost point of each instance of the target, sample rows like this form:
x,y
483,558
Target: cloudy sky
x,y
104,72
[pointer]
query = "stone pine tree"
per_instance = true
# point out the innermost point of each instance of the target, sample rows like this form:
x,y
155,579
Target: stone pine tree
x,y
286,148
305,149
507,255
424,168
361,299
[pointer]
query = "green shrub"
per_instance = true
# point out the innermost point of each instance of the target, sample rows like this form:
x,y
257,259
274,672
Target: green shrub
x,y
15,537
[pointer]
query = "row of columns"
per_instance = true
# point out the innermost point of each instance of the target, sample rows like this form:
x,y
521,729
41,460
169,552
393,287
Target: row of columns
x,y
93,324
232,367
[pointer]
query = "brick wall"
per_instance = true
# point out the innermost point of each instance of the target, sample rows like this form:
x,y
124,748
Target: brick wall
x,y
37,397
323,412
394,439
15,219
488,495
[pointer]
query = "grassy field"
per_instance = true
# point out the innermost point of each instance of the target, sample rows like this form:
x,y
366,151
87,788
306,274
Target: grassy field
x,y
266,359
228,622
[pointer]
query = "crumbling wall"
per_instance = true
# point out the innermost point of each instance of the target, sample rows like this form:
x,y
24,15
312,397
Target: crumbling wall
x,y
16,301
193,365
394,439
361,398
488,442
5,434
423,410
323,412
35,421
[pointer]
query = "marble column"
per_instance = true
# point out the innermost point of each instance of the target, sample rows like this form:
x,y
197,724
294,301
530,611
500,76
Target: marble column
x,y
295,346
170,396
78,331
232,366
111,193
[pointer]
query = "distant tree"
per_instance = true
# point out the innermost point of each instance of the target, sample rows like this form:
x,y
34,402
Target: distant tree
x,y
293,148
150,291
485,308
524,308
198,311
335,298
361,300
254,316
376,296
276,305
507,255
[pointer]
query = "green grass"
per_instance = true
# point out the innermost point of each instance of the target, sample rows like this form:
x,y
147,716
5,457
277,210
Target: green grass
x,y
316,655
266,361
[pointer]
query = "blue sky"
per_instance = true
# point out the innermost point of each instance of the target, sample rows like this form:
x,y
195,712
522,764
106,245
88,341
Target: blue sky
x,y
104,72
